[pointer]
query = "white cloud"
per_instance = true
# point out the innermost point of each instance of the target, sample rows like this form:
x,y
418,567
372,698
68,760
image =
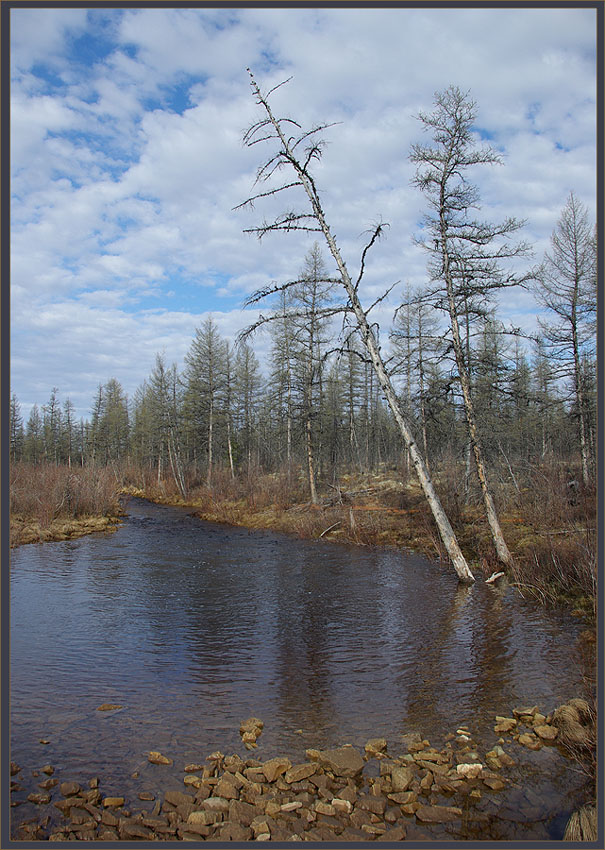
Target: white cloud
x,y
126,173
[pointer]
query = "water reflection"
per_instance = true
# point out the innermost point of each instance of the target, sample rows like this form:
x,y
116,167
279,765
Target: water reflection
x,y
193,626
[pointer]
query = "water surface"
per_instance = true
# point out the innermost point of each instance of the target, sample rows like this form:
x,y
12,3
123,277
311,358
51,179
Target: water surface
x,y
193,626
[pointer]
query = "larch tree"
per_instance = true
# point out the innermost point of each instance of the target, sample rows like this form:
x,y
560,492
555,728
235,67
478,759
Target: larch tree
x,y
16,430
465,254
566,285
296,154
205,386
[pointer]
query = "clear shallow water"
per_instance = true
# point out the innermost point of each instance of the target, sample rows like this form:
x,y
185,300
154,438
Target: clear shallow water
x,y
192,627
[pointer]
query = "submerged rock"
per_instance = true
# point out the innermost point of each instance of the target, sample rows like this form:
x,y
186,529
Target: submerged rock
x,y
157,758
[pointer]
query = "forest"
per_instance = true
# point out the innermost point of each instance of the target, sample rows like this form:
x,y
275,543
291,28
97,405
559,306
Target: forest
x,y
499,425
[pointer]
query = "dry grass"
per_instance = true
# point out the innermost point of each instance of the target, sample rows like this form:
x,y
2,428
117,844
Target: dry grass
x,y
50,502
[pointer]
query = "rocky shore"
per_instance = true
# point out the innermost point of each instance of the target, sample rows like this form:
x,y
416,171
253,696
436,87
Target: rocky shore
x,y
339,794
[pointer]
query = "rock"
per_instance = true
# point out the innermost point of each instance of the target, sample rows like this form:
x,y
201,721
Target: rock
x,y
215,804
343,761
15,769
373,829
372,803
133,830
275,767
401,778
438,814
299,772
69,789
504,724
193,768
469,771
342,806
403,798
39,799
177,798
291,807
376,746
225,788
157,758
113,802
252,724
66,805
48,769
494,783
193,781
526,712
48,783
325,808
547,733
146,795
240,812
233,832
108,706
312,754
395,833
529,740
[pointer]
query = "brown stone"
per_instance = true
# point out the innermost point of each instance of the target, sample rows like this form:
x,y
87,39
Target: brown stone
x,y
343,761
130,830
157,758
146,795
275,767
376,746
215,804
494,783
226,789
69,789
48,783
546,732
177,798
193,768
438,814
371,803
108,706
48,769
395,833
65,805
401,778
113,802
39,799
240,812
298,772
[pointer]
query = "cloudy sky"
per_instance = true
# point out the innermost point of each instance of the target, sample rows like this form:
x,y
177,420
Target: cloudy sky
x,y
127,161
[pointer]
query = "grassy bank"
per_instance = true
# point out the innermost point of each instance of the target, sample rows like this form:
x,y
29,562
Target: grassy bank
x,y
50,502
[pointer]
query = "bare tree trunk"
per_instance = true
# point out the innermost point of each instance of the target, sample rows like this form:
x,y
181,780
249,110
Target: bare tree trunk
x,y
502,550
369,340
210,429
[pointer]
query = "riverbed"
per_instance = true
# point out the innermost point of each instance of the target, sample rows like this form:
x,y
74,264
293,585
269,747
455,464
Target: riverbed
x,y
190,627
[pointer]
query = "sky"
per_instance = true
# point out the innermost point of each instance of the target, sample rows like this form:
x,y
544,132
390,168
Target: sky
x,y
127,162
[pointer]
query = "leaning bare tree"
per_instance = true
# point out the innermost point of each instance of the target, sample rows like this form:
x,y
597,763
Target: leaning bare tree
x,y
296,154
465,255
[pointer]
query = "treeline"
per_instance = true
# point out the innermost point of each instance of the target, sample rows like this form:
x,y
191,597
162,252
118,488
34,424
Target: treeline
x,y
320,410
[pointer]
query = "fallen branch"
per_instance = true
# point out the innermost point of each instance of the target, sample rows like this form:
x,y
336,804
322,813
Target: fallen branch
x,y
329,529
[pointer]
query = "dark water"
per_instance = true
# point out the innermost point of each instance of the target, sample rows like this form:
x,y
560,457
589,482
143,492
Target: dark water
x,y
192,627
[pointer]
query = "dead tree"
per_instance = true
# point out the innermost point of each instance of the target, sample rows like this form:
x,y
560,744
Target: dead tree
x,y
297,153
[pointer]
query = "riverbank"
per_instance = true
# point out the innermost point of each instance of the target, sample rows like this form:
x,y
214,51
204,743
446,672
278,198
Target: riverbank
x,y
51,503
454,791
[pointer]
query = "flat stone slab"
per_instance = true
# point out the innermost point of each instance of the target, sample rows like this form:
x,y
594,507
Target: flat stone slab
x,y
438,814
343,761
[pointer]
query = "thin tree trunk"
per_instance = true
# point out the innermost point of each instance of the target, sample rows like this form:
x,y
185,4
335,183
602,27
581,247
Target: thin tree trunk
x,y
369,340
